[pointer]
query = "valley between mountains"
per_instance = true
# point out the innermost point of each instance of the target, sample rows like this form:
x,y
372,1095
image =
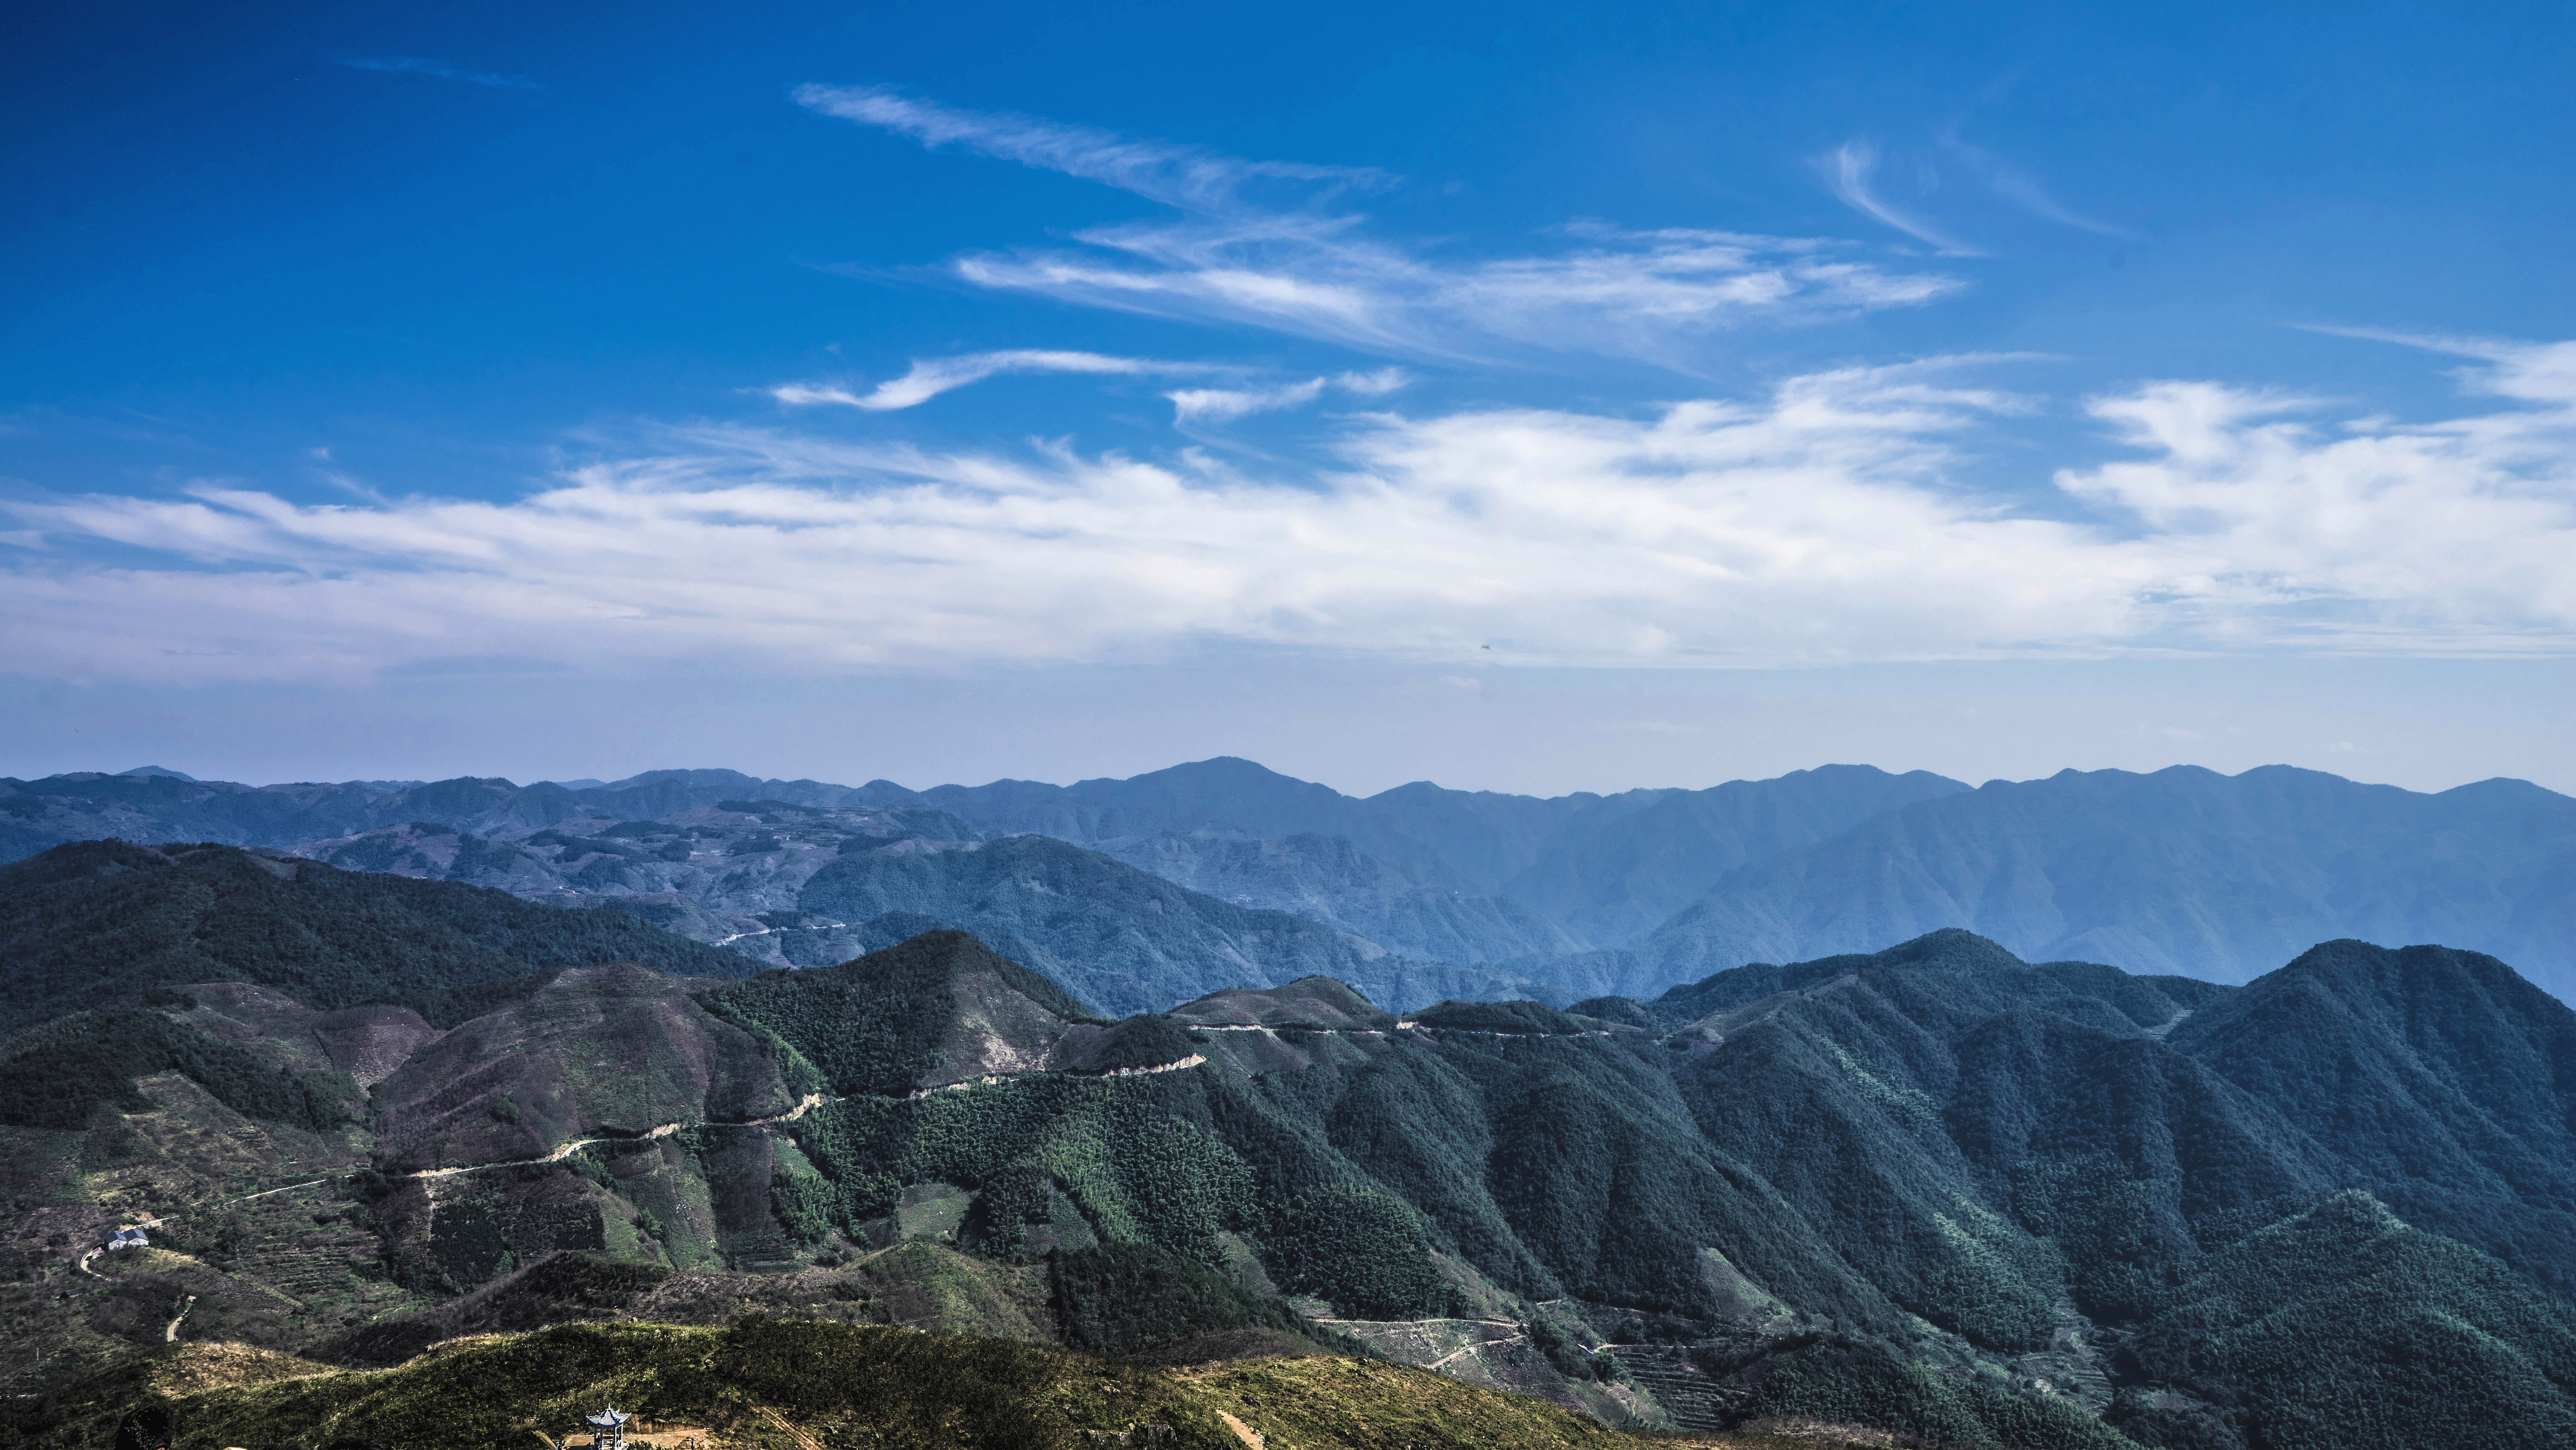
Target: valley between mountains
x,y
1934,1189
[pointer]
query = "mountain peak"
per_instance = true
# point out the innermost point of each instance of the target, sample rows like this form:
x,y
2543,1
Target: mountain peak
x,y
1952,948
935,1010
1305,1002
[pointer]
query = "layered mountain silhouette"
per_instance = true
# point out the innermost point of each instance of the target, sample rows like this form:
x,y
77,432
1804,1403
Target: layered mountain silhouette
x,y
1124,939
2179,871
1331,880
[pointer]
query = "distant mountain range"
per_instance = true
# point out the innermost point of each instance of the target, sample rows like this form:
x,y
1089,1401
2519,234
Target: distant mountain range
x,y
2182,871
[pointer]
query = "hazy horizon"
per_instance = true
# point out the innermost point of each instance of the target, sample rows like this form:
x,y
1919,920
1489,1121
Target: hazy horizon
x,y
863,777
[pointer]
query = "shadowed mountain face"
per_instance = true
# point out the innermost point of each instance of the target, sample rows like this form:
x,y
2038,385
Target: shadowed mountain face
x,y
2275,1326
87,806
1331,880
98,923
1612,878
2182,871
1600,869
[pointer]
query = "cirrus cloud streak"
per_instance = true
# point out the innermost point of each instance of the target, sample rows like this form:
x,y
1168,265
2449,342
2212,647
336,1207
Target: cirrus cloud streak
x,y
1261,244
929,377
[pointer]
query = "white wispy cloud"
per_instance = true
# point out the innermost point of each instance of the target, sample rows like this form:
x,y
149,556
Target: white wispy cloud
x,y
930,377
1851,170
1222,405
2022,189
1191,177
1263,244
1823,522
1854,172
1375,384
1219,405
437,69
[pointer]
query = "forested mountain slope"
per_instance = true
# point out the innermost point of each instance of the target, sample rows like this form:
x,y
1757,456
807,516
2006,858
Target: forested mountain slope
x,y
98,924
1936,1189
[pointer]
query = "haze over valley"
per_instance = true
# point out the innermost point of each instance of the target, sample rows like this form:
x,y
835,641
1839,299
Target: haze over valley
x,y
1246,877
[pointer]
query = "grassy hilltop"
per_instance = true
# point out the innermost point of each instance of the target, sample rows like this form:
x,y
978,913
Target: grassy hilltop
x,y
794,1386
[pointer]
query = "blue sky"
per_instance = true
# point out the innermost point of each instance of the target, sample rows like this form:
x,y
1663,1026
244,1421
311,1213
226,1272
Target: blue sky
x,y
1527,397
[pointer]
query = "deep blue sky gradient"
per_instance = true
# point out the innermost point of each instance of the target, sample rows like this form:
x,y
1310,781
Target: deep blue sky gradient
x,y
228,249
452,245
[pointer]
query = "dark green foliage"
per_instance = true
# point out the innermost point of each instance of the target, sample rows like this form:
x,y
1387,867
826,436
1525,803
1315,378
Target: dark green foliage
x,y
1854,1381
874,1025
2345,1329
448,1007
1622,1011
2439,1079
794,1069
588,1282
850,1141
1534,1018
1182,1184
85,925
806,1206
1421,1127
903,1390
58,1075
1139,1170
1123,1299
1142,1041
1360,1248
1831,1150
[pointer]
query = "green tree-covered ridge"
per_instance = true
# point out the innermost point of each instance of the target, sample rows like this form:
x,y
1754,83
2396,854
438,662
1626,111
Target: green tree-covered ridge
x,y
1895,1186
